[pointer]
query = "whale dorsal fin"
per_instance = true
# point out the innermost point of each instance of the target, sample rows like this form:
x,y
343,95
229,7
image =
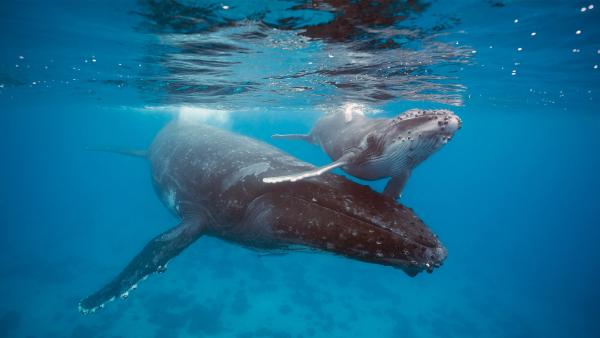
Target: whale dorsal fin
x,y
311,173
153,258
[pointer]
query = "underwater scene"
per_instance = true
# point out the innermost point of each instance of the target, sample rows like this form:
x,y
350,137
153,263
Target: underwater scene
x,y
300,168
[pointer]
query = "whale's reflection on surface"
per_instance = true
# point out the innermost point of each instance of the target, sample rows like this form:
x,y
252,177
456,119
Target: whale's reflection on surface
x,y
317,52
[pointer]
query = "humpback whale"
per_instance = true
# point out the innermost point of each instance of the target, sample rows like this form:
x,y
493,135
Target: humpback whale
x,y
376,148
212,180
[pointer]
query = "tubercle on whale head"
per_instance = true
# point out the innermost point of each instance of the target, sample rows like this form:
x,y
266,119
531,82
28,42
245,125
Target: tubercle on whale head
x,y
344,218
431,121
421,132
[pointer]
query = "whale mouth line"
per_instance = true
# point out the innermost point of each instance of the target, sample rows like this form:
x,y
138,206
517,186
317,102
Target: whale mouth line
x,y
352,216
359,219
410,265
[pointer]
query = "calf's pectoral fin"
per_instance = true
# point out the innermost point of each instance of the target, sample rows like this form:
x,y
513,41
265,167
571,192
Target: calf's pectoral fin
x,y
343,160
305,174
395,185
302,137
153,258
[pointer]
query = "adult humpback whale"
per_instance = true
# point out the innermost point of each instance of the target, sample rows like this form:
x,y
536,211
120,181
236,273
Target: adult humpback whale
x,y
377,148
212,180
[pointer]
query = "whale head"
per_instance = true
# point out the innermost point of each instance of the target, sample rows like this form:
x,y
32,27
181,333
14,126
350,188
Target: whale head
x,y
416,134
332,214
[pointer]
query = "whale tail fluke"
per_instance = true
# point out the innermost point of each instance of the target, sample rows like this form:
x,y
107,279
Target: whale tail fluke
x,y
120,151
301,137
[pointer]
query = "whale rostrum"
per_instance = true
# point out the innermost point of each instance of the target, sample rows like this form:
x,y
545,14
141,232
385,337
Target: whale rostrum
x,y
372,149
212,180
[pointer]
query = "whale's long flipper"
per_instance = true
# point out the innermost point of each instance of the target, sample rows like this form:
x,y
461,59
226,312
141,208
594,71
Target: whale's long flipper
x,y
153,258
306,174
302,137
396,184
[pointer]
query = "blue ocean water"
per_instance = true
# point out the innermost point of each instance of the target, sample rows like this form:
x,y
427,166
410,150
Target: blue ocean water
x,y
513,197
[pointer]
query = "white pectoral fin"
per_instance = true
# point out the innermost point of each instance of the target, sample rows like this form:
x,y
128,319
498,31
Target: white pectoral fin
x,y
395,185
305,174
302,137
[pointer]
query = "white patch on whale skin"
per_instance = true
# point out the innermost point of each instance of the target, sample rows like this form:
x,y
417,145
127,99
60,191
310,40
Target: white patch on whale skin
x,y
85,311
123,295
171,201
253,169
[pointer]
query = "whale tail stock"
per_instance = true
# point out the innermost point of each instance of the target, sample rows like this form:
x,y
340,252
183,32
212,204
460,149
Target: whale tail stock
x,y
153,258
120,151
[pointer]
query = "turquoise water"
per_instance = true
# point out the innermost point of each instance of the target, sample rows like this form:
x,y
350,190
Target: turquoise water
x,y
513,197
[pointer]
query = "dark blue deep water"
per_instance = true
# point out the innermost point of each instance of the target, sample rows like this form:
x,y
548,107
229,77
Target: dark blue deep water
x,y
514,196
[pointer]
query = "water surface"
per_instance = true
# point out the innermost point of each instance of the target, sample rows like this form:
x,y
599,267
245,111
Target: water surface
x,y
514,196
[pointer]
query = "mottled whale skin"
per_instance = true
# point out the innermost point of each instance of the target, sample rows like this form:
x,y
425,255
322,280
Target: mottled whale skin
x,y
212,180
375,148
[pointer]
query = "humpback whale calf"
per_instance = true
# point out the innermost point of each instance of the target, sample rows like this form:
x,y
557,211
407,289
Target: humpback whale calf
x,y
377,148
212,180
